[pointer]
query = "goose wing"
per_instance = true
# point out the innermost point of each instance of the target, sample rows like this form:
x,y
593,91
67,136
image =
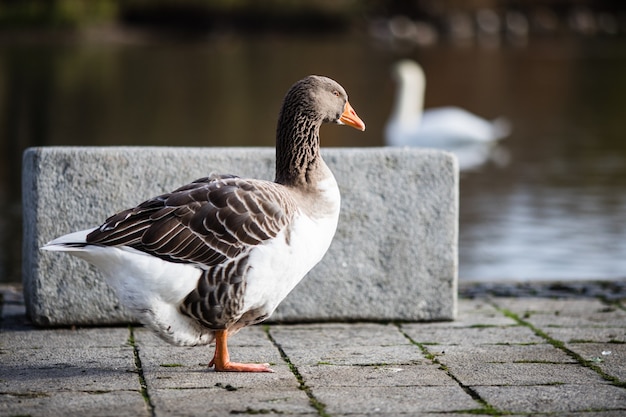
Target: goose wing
x,y
206,222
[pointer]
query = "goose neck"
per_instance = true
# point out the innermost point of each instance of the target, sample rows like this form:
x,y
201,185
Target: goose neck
x,y
297,150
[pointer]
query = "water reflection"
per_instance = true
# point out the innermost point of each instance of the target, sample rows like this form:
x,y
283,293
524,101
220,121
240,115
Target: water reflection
x,y
555,211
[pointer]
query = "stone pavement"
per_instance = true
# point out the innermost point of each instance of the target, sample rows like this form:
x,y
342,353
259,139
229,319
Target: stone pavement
x,y
504,355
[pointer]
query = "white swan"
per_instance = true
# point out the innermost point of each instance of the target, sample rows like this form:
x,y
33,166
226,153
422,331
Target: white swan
x,y
451,128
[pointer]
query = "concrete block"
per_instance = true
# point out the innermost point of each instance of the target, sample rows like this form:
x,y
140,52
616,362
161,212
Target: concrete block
x,y
394,256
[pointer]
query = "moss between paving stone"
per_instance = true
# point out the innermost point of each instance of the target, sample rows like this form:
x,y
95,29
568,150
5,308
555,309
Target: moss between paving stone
x,y
487,408
614,342
319,406
561,345
139,369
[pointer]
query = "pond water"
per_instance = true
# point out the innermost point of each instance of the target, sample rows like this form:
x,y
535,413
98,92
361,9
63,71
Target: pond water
x,y
553,208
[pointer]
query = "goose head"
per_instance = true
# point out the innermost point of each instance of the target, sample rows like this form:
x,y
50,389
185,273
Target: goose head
x,y
309,103
320,100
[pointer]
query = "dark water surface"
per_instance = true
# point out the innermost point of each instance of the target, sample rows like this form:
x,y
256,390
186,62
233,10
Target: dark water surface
x,y
556,210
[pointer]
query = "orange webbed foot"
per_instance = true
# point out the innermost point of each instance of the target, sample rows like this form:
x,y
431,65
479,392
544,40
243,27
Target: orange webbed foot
x,y
240,367
221,360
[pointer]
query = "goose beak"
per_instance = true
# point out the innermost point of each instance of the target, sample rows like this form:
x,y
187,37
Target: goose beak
x,y
350,118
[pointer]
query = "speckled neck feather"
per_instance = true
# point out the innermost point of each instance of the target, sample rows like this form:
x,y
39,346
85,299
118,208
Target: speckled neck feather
x,y
297,137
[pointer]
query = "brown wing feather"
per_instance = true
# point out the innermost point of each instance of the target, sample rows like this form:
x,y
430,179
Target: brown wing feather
x,y
205,222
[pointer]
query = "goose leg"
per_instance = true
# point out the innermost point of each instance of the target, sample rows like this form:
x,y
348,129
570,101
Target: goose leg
x,y
221,359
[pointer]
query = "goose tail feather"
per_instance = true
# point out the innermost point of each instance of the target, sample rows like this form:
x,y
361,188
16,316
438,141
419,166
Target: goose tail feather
x,y
68,243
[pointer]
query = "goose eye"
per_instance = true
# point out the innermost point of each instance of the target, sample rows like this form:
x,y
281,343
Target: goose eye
x,y
336,93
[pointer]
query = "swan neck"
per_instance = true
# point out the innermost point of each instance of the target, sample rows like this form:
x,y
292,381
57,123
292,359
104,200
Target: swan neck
x,y
409,103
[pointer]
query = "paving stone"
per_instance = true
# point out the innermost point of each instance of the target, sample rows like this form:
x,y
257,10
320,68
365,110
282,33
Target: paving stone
x,y
338,335
474,412
65,360
615,335
610,357
344,344
444,334
474,373
479,312
465,354
393,400
554,399
67,369
64,404
98,337
375,376
196,377
357,355
395,250
421,414
225,400
581,313
65,372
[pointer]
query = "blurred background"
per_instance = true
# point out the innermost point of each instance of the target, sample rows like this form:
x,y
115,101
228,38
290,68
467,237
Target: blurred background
x,y
548,203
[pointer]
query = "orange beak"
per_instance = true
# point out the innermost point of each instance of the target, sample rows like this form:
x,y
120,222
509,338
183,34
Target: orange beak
x,y
350,118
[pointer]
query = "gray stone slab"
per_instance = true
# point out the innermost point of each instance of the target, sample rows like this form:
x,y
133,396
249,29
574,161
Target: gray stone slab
x,y
86,360
362,344
199,376
554,399
89,370
64,404
574,313
522,374
64,338
478,312
446,334
410,400
474,412
357,355
588,334
394,255
226,400
465,354
375,376
337,335
607,356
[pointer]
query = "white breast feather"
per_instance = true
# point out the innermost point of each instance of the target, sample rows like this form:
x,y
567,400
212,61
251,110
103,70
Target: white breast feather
x,y
280,264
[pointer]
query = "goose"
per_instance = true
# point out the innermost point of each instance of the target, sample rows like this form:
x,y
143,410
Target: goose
x,y
451,128
200,263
